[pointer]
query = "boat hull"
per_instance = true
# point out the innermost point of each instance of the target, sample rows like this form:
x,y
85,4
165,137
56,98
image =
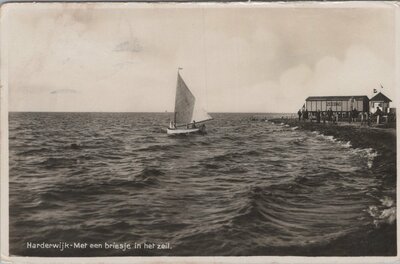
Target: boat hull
x,y
185,131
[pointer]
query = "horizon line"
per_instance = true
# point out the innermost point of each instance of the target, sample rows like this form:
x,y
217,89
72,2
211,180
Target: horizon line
x,y
146,112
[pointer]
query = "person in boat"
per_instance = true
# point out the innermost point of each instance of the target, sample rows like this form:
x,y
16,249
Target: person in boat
x,y
194,124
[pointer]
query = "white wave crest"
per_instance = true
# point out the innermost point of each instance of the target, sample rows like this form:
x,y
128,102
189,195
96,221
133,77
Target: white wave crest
x,y
369,153
383,214
386,216
389,215
347,144
294,128
386,201
329,138
373,211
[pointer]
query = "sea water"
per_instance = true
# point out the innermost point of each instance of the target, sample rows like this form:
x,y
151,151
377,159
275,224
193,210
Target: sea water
x,y
248,187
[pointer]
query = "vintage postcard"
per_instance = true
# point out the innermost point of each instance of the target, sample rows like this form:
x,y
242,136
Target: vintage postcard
x,y
183,132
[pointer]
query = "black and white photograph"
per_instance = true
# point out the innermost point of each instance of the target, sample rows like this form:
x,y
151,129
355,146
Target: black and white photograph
x,y
190,130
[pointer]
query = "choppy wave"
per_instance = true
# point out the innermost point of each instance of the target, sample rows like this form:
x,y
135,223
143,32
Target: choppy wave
x,y
155,148
35,151
385,213
369,153
51,163
248,187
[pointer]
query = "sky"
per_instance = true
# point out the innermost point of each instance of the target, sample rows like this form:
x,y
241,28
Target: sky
x,y
240,58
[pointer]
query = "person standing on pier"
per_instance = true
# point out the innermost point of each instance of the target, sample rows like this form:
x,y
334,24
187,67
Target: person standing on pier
x,y
378,115
330,115
318,115
355,114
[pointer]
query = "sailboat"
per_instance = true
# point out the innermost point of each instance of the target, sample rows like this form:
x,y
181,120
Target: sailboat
x,y
189,117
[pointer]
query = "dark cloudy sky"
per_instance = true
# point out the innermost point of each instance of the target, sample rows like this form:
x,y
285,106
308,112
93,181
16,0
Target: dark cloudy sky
x,y
236,58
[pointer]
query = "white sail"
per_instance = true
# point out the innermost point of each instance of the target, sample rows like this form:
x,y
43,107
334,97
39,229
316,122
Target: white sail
x,y
199,114
184,103
186,108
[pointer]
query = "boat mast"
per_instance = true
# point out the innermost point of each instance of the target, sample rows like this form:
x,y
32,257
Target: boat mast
x,y
179,68
174,118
